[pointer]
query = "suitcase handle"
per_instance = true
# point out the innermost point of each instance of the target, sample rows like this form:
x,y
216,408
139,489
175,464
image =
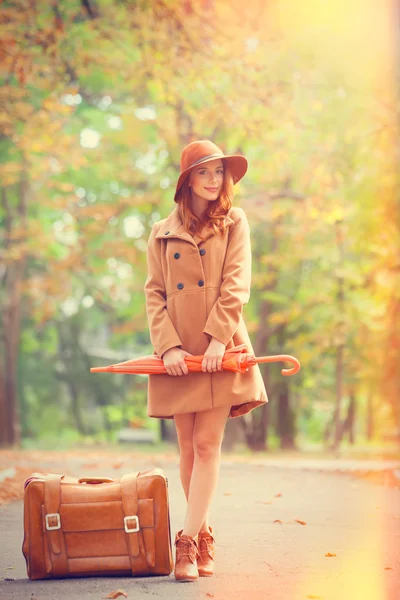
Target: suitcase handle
x,y
95,480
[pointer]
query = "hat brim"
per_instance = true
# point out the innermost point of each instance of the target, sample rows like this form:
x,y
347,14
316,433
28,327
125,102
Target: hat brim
x,y
237,165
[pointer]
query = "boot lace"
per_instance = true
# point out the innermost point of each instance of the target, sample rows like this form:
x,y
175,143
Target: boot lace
x,y
206,544
188,548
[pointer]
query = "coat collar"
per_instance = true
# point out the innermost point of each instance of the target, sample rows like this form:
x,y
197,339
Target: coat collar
x,y
174,225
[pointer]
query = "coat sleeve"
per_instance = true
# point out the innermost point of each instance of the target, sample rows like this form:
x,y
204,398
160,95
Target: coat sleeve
x,y
163,334
223,319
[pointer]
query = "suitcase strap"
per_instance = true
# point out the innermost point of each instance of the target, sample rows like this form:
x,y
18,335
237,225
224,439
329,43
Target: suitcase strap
x,y
133,534
55,536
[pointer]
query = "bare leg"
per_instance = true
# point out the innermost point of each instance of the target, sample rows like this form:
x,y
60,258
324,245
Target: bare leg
x,y
184,429
208,432
184,425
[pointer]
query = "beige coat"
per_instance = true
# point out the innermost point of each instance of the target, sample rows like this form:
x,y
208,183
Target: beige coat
x,y
194,290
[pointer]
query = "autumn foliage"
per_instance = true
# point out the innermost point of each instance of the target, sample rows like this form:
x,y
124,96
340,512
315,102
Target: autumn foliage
x,y
97,100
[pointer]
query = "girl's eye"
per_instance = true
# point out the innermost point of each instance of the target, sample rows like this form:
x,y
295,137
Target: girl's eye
x,y
204,172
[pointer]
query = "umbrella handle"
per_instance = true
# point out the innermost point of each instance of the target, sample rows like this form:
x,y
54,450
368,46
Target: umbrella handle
x,y
279,358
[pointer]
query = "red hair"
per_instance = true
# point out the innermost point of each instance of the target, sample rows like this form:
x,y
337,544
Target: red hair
x,y
215,212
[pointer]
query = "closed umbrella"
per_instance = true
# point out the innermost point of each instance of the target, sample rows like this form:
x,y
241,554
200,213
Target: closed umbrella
x,y
236,359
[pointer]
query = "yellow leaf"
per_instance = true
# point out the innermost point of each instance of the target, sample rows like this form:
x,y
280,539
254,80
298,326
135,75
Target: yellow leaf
x,y
277,318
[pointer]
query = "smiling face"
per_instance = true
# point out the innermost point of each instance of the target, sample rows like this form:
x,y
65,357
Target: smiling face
x,y
206,180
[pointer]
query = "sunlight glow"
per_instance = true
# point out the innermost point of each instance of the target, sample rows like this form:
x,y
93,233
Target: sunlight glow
x,y
133,227
90,138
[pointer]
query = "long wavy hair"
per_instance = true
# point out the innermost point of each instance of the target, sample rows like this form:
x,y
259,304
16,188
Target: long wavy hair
x,y
216,211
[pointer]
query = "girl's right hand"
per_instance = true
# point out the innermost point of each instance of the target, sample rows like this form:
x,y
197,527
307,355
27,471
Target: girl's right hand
x,y
174,361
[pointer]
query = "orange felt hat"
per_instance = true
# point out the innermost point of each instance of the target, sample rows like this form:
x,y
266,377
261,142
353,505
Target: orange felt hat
x,y
203,151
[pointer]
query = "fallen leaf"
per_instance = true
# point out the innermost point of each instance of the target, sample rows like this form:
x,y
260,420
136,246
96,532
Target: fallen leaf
x,y
330,554
209,595
278,495
315,597
116,594
118,465
388,569
8,473
278,521
301,522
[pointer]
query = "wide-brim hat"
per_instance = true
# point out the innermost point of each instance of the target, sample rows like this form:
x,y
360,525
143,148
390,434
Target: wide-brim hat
x,y
203,151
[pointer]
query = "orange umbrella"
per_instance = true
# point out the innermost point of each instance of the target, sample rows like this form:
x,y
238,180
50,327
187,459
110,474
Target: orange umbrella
x,y
236,359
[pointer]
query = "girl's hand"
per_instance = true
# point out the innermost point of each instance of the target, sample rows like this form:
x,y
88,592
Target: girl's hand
x,y
213,356
174,361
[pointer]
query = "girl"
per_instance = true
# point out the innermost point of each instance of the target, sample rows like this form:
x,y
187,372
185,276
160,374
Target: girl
x,y
199,279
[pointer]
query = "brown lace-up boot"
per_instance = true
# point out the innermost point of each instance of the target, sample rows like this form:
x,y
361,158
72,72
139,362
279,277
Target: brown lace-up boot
x,y
205,562
187,552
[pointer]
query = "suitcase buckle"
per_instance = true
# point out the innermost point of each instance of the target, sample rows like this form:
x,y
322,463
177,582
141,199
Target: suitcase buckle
x,y
52,527
127,528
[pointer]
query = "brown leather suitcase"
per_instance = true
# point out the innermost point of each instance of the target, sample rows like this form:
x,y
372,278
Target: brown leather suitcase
x,y
97,526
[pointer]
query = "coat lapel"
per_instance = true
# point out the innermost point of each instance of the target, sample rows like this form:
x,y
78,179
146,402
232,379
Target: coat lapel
x,y
173,224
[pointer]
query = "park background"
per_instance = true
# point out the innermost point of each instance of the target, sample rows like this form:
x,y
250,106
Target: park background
x,y
98,98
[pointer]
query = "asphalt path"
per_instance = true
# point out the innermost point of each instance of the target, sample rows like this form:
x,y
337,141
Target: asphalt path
x,y
274,526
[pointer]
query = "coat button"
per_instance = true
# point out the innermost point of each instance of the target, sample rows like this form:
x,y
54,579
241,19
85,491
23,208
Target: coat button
x,y
166,233
176,255
202,251
179,286
201,282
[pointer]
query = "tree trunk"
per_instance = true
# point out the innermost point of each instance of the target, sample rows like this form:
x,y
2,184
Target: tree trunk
x,y
99,394
285,421
255,433
370,416
339,395
390,383
328,431
3,409
255,426
12,275
163,430
75,405
233,434
351,419
347,426
167,431
340,335
69,381
285,425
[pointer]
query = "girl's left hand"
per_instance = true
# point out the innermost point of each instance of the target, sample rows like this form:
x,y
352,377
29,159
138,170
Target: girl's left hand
x,y
213,356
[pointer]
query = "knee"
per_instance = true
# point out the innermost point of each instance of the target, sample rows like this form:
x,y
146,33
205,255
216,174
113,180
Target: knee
x,y
206,448
186,448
